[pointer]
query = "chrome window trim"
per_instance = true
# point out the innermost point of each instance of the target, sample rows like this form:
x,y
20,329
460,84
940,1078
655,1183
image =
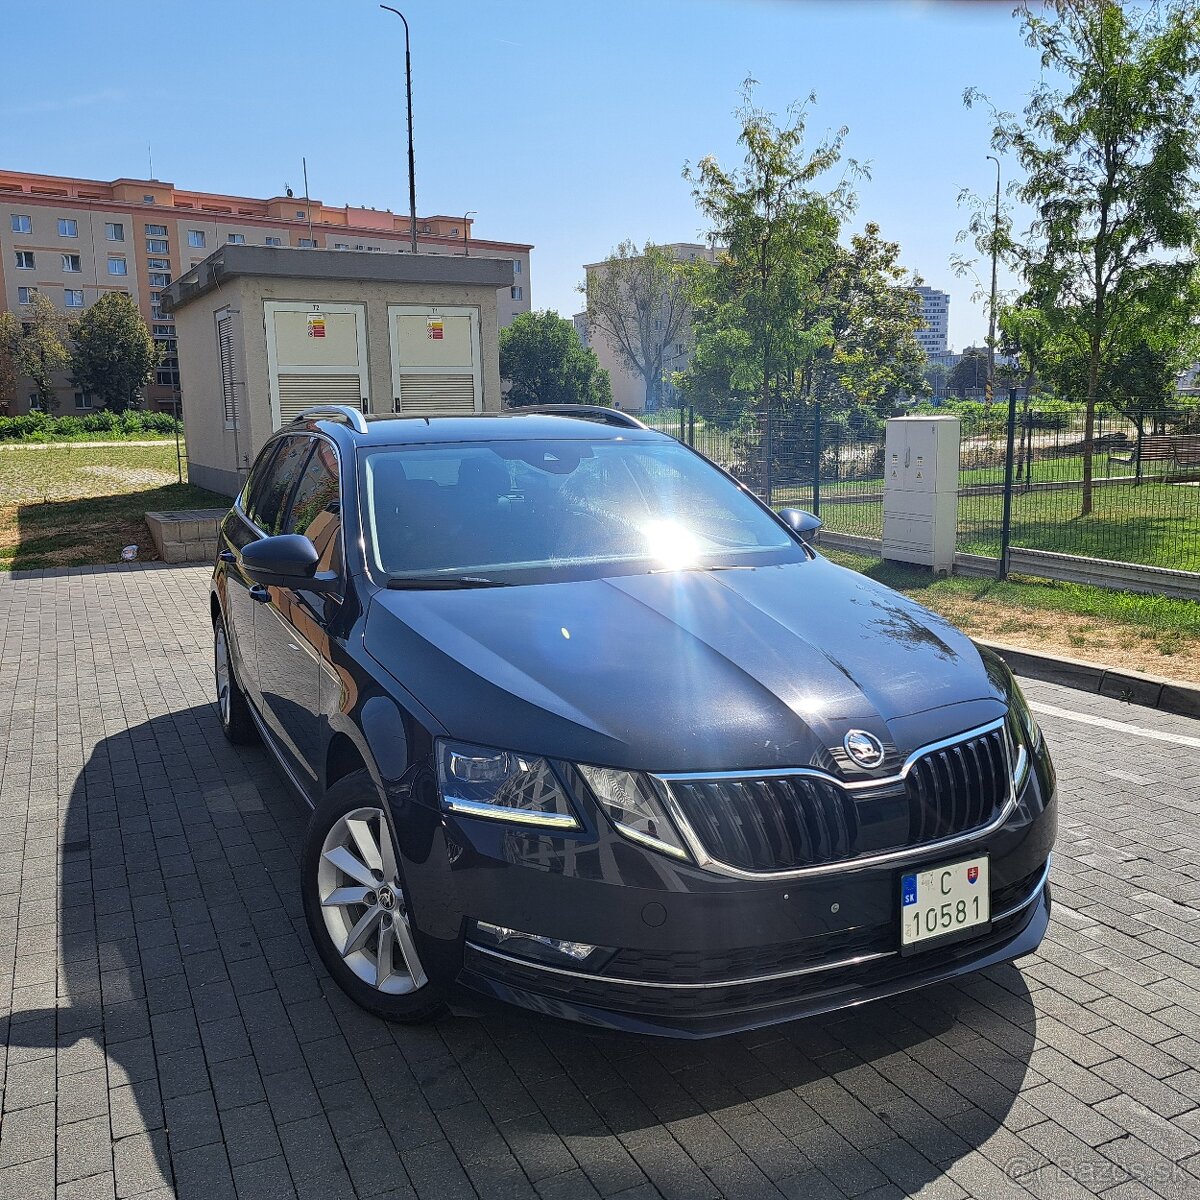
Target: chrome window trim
x,y
592,977
707,862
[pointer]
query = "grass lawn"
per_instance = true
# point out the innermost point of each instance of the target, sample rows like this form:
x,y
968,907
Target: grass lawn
x,y
63,506
1121,629
1157,524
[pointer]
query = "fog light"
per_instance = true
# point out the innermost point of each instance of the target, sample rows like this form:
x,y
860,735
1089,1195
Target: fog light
x,y
540,948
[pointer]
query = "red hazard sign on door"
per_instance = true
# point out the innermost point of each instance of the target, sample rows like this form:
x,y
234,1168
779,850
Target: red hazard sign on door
x,y
436,330
316,325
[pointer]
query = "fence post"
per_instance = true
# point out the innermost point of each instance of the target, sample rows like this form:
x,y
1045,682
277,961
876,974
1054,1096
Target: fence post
x,y
691,424
682,426
816,485
1137,449
1006,519
768,473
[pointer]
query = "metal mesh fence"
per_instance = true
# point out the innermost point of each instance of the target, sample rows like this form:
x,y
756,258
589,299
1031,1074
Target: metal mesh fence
x,y
1145,504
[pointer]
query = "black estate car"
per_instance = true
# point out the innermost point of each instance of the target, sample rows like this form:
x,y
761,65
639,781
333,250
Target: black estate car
x,y
587,727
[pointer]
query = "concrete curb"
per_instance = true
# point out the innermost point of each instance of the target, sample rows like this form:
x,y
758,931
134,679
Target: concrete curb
x,y
1168,695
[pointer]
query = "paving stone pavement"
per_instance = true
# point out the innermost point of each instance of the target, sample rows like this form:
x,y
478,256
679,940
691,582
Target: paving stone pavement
x,y
169,1031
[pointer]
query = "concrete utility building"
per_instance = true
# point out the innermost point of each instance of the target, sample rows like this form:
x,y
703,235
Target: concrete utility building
x,y
266,332
74,240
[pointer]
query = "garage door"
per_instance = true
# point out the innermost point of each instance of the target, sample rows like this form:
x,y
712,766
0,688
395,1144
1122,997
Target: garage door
x,y
316,354
435,359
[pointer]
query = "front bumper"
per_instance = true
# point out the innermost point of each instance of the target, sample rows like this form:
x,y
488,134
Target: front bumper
x,y
698,955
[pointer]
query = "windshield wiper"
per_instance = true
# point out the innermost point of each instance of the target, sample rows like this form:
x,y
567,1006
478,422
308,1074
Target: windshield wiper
x,y
435,583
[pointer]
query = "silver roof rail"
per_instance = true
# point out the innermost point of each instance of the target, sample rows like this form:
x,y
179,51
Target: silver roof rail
x,y
347,412
585,412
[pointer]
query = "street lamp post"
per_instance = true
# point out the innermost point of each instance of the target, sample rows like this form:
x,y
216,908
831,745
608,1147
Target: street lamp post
x,y
991,378
466,243
412,172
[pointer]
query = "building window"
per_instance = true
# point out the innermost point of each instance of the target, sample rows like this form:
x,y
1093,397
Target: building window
x,y
157,246
157,313
21,223
299,214
68,227
426,229
307,243
25,295
117,265
83,400
24,260
168,345
159,279
454,232
165,377
71,263
237,239
516,293
341,246
73,298
114,231
516,266
158,264
359,246
164,331
272,241
197,237
156,231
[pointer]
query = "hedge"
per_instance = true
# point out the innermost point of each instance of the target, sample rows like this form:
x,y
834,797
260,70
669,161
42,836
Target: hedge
x,y
102,424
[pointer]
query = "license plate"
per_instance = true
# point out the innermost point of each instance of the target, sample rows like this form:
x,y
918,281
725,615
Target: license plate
x,y
942,900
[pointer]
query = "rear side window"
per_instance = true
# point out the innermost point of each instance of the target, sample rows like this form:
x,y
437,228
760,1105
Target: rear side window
x,y
268,501
316,507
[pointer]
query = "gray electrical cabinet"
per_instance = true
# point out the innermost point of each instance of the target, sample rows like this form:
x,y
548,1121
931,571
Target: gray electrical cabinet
x,y
920,493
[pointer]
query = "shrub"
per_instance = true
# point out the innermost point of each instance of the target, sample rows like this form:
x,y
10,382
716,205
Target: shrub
x,y
102,425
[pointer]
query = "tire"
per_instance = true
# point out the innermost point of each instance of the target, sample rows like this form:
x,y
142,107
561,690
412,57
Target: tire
x,y
232,707
355,906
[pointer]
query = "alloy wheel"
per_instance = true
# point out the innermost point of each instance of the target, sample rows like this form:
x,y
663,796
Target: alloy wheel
x,y
221,662
364,906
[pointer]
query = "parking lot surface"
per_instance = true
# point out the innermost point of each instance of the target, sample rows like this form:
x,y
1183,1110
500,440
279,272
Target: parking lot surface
x,y
168,1029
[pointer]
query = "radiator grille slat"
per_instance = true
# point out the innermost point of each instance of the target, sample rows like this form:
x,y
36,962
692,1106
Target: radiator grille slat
x,y
779,822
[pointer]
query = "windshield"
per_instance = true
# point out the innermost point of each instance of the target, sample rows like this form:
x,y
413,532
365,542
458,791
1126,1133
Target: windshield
x,y
527,511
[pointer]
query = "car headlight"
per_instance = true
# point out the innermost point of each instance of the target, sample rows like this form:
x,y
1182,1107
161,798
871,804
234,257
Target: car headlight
x,y
1024,732
628,800
500,785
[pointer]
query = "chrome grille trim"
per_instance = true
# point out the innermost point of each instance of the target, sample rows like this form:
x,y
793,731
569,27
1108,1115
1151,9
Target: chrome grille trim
x,y
927,849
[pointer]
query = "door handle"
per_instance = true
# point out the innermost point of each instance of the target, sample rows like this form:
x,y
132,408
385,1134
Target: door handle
x,y
227,556
260,593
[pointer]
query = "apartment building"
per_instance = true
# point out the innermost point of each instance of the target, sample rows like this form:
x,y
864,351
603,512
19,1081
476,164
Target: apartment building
x,y
76,239
934,334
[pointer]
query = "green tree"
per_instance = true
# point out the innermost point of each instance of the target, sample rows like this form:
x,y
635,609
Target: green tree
x,y
637,300
970,372
34,344
1108,147
543,362
114,355
10,331
754,307
867,304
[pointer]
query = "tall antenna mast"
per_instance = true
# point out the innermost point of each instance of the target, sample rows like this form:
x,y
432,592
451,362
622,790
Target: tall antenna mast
x,y
150,155
307,203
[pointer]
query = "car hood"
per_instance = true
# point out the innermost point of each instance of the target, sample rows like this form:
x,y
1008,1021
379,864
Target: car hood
x,y
686,670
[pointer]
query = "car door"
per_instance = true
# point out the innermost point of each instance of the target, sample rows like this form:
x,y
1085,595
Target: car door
x,y
286,673
237,530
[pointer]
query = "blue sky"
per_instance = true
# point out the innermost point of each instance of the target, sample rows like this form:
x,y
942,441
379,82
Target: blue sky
x,y
565,123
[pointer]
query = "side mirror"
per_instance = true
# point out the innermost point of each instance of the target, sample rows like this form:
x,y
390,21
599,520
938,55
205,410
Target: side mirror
x,y
802,523
287,560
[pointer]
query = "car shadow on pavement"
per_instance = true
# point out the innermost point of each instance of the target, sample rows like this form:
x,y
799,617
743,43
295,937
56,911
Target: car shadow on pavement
x,y
194,1016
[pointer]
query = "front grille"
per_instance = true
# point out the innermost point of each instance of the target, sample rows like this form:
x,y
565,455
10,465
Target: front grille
x,y
957,788
783,822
